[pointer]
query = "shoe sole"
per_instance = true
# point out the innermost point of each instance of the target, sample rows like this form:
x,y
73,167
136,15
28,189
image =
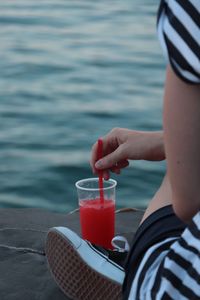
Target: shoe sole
x,y
75,278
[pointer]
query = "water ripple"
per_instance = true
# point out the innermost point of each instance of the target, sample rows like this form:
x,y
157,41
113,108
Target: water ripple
x,y
69,72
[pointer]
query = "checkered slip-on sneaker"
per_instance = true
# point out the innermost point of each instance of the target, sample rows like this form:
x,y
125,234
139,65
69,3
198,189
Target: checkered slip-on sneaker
x,y
81,270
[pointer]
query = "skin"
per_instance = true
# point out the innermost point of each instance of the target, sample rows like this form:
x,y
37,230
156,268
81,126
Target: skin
x,y
162,197
181,121
121,145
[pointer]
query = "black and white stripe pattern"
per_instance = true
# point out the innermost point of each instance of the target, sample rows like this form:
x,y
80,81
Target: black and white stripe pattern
x,y
170,270
178,28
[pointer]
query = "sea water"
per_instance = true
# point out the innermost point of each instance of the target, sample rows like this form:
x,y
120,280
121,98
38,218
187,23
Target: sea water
x,y
69,72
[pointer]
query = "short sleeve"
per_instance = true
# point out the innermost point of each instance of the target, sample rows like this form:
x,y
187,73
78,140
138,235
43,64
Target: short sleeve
x,y
178,27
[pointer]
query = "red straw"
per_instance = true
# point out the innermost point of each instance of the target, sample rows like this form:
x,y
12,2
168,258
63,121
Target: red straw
x,y
100,173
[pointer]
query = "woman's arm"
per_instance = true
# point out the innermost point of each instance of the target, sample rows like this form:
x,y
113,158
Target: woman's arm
x,y
181,120
121,145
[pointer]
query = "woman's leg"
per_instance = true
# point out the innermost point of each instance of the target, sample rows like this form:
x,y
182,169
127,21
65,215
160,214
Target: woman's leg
x,y
159,228
161,198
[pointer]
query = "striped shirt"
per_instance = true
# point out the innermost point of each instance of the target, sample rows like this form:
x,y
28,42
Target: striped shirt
x,y
170,270
178,26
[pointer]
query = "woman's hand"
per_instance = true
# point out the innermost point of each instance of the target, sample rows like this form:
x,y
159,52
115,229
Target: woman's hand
x,y
121,145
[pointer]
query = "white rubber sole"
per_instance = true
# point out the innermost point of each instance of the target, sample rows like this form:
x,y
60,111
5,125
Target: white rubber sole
x,y
76,278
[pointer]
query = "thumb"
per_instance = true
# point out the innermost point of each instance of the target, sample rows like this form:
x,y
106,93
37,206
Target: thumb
x,y
111,159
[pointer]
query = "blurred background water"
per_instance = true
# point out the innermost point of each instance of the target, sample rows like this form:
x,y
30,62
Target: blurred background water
x,y
69,72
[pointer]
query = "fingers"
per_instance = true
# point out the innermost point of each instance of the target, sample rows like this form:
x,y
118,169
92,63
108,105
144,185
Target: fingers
x,y
110,160
106,174
115,169
94,157
113,155
123,164
107,148
120,165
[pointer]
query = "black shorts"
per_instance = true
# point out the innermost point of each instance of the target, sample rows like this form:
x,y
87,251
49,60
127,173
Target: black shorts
x,y
161,224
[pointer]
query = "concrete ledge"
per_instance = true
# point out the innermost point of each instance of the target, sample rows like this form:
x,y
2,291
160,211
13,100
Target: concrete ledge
x,y
23,268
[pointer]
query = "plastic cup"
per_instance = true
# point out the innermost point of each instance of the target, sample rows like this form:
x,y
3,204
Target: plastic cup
x,y
97,218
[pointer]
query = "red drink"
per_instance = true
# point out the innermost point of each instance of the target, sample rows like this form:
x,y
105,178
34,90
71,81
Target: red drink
x,y
97,221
